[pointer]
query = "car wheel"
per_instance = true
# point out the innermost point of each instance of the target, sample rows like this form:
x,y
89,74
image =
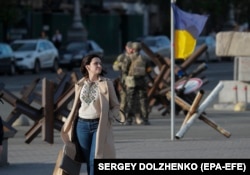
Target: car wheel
x,y
55,66
70,67
20,71
12,70
36,67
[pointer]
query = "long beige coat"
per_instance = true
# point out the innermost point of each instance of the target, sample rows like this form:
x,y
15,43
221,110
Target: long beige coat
x,y
109,109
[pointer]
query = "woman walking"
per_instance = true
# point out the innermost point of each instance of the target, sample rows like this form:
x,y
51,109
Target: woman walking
x,y
90,119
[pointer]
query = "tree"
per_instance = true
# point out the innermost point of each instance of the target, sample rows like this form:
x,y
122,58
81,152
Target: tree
x,y
217,10
51,5
9,14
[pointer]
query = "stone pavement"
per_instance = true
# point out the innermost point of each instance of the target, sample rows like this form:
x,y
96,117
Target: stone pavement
x,y
154,141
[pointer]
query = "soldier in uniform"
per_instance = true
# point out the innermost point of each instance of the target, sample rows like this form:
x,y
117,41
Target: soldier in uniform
x,y
136,84
121,64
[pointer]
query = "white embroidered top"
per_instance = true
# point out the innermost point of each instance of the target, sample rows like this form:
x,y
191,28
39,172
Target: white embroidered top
x,y
90,102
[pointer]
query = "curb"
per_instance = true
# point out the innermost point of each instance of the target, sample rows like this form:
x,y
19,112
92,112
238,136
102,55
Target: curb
x,y
237,107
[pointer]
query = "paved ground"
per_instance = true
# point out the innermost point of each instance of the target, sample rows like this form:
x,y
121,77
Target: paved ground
x,y
154,141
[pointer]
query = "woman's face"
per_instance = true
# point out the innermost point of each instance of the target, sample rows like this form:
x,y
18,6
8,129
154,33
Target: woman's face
x,y
95,66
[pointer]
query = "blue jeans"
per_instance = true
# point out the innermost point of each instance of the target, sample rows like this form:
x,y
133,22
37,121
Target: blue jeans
x,y
86,135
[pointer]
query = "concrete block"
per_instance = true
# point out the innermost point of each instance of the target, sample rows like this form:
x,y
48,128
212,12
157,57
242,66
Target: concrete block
x,y
229,94
232,44
4,155
224,106
242,72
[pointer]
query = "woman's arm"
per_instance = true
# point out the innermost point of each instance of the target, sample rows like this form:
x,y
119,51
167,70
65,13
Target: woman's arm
x,y
113,100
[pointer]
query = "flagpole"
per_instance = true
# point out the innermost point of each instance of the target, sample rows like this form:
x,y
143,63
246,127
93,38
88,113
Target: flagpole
x,y
172,65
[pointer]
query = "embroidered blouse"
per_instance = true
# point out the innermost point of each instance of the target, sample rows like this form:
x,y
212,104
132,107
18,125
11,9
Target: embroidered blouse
x,y
90,102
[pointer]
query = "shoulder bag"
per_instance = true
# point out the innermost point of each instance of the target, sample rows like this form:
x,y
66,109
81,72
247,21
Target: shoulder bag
x,y
66,163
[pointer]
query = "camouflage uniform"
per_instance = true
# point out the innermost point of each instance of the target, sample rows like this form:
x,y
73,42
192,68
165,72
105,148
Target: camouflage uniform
x,y
122,64
137,87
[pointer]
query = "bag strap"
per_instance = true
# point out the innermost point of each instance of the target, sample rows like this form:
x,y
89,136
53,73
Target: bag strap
x,y
119,121
1,95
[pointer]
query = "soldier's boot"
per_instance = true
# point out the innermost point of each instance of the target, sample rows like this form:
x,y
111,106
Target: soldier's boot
x,y
128,120
138,119
145,121
122,116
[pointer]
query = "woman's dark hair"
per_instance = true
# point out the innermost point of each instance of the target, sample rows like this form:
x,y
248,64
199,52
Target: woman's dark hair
x,y
86,61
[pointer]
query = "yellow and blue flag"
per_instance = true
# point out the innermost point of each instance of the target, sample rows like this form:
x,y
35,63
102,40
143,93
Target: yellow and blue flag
x,y
188,27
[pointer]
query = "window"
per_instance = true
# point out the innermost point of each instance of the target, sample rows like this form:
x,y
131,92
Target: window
x,y
23,46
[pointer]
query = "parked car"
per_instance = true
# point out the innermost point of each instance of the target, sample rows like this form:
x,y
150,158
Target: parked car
x,y
71,55
7,59
35,54
209,54
158,44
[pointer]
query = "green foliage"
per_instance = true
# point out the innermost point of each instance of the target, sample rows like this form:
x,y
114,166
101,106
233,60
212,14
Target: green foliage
x,y
8,11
